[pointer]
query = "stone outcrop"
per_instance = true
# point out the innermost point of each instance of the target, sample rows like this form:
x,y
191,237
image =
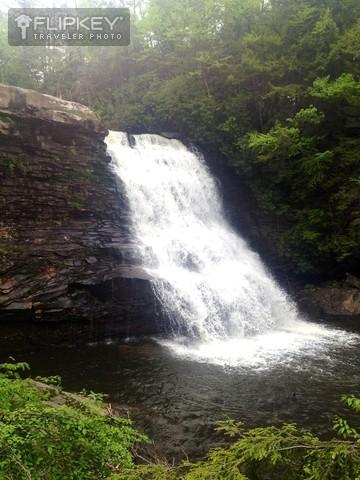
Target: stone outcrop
x,y
338,301
65,248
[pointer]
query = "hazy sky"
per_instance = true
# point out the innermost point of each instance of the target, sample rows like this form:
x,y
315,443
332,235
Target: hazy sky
x,y
6,4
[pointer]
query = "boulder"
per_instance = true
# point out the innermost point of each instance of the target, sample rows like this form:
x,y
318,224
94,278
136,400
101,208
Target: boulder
x,y
333,301
23,103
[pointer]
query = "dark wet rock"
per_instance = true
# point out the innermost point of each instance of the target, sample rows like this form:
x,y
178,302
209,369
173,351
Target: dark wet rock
x,y
352,281
172,135
66,252
333,301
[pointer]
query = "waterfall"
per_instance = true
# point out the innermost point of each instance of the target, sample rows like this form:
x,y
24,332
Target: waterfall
x,y
210,283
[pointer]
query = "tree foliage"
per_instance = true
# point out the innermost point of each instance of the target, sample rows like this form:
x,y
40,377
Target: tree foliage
x,y
272,85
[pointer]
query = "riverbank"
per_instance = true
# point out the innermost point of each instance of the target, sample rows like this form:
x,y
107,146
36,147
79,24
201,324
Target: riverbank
x,y
47,432
176,398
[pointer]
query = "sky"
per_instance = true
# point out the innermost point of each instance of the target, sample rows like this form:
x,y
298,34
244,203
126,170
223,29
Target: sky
x,y
6,4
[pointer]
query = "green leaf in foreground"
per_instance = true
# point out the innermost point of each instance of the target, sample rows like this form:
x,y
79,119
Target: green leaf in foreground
x,y
48,434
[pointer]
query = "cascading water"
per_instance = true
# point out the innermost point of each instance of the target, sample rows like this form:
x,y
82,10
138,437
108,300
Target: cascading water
x,y
212,286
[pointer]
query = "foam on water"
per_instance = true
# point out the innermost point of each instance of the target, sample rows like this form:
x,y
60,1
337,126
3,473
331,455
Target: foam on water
x,y
290,346
213,287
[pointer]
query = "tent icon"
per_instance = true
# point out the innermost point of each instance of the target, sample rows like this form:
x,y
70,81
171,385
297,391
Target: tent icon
x,y
23,22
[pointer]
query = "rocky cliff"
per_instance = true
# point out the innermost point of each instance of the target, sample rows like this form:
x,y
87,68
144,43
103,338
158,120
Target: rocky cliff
x,y
65,248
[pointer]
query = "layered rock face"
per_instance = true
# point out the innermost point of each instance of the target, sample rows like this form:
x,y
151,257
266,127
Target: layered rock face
x,y
65,248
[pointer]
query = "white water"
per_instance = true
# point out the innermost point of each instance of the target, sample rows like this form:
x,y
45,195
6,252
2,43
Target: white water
x,y
213,287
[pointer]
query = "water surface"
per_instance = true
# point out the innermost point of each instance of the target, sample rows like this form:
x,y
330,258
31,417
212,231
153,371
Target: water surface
x,y
176,396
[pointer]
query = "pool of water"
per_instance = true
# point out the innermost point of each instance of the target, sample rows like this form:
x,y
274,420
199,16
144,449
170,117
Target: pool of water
x,y
176,391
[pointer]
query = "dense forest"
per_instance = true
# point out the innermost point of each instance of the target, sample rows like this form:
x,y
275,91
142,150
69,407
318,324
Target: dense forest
x,y
271,85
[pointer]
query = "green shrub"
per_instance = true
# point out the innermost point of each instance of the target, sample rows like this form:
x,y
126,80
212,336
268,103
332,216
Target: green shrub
x,y
48,434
